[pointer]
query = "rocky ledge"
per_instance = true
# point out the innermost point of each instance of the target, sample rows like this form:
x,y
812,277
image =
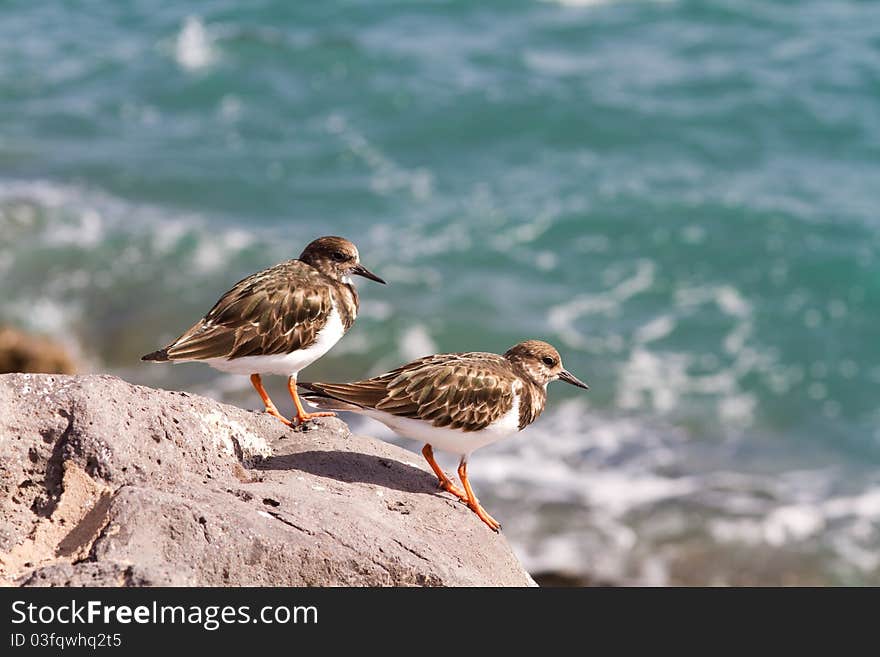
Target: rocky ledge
x,y
109,484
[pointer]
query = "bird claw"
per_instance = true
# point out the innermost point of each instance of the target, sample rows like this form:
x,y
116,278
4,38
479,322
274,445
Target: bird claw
x,y
493,524
302,419
453,490
274,413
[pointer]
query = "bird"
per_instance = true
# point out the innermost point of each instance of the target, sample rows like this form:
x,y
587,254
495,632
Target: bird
x,y
279,320
457,403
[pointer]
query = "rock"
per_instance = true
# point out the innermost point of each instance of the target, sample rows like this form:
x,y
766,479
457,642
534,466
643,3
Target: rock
x,y
21,352
107,484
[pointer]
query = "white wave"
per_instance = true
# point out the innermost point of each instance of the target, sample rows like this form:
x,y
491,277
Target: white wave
x,y
738,530
353,343
619,492
377,309
86,230
44,315
562,318
845,525
558,63
524,233
109,244
735,341
230,108
656,329
546,260
737,409
387,176
728,299
593,493
732,302
866,506
601,466
792,523
579,3
593,3
558,553
193,49
852,552
213,254
571,457
416,342
662,379
86,218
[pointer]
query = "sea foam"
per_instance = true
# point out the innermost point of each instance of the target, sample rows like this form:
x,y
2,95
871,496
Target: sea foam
x,y
193,49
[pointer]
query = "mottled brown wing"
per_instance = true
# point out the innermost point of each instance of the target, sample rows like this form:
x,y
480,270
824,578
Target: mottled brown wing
x,y
276,311
458,391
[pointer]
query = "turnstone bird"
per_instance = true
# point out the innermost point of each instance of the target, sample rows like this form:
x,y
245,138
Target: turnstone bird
x,y
278,321
455,402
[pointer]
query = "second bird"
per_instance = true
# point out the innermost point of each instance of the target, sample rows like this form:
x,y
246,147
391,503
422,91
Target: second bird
x,y
278,321
455,402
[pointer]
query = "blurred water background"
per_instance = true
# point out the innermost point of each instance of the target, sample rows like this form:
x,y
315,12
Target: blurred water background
x,y
681,195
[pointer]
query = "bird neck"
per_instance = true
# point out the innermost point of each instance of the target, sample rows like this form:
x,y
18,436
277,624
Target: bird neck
x,y
348,303
532,401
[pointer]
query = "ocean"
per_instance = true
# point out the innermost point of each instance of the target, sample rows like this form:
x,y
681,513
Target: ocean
x,y
682,196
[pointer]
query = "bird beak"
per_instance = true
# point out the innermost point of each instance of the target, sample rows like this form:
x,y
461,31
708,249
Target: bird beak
x,y
360,270
568,377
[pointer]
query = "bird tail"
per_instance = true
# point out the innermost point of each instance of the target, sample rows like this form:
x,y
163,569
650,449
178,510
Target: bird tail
x,y
160,356
319,397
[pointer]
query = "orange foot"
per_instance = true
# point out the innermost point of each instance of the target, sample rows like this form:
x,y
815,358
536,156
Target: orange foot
x,y
449,487
493,524
301,416
472,501
271,409
305,417
274,413
444,482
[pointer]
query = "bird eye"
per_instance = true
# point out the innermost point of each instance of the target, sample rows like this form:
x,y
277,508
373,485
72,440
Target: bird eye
x,y
549,361
339,256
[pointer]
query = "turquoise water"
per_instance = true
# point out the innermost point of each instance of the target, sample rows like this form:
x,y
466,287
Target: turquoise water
x,y
682,196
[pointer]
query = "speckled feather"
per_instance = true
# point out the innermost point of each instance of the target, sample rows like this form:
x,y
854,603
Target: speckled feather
x,y
276,311
464,391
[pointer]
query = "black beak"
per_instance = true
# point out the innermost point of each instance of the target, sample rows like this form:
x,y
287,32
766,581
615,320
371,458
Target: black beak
x,y
360,270
568,377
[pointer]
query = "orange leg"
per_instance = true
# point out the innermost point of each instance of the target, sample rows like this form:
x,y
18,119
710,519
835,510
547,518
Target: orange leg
x,y
301,414
271,409
445,482
472,500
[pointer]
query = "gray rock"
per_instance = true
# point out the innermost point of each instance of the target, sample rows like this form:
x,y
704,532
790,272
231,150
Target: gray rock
x,y
109,484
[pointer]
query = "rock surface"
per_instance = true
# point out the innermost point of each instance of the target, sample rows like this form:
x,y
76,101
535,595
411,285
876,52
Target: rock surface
x,y
22,352
109,484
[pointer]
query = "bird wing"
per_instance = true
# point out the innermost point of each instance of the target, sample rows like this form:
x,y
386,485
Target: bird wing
x,y
458,391
275,311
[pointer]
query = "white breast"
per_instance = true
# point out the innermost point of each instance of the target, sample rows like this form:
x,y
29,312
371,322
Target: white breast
x,y
454,441
286,364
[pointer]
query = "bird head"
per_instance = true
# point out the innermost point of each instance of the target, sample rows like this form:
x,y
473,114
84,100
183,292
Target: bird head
x,y
542,363
337,258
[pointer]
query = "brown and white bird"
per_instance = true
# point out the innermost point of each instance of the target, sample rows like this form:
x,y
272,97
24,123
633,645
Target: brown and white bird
x,y
278,321
455,402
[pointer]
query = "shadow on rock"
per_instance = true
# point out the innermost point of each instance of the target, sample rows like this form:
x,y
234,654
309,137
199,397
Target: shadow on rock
x,y
351,467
